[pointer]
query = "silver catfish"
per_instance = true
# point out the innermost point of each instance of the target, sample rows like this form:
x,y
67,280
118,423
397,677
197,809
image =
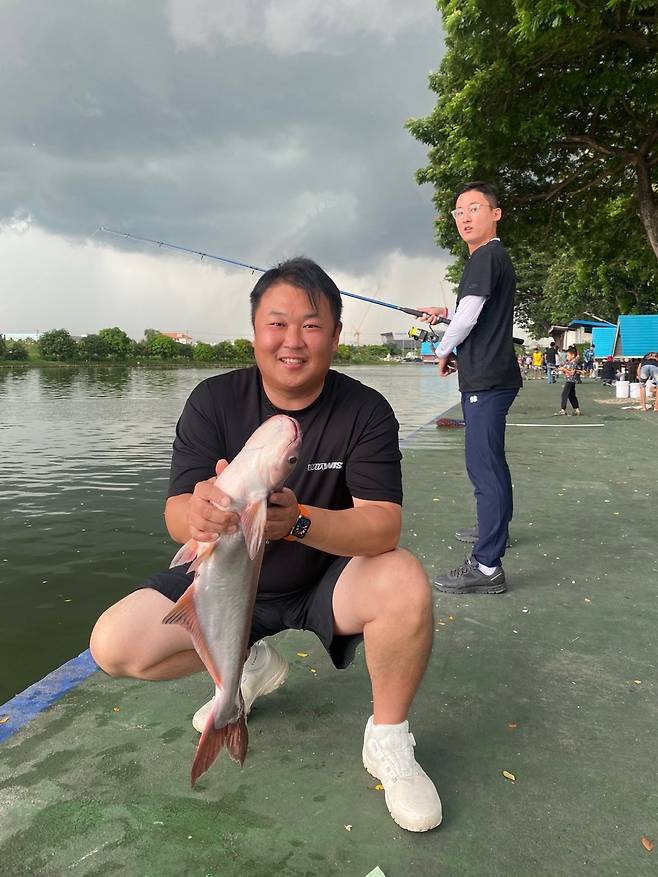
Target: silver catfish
x,y
217,607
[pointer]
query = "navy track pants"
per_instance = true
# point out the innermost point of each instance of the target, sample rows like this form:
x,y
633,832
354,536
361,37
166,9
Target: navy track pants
x,y
485,413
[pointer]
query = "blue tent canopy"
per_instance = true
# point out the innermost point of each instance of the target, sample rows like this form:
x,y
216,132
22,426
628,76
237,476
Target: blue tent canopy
x,y
603,340
638,334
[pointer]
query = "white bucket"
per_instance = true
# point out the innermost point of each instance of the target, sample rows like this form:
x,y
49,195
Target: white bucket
x,y
635,391
622,389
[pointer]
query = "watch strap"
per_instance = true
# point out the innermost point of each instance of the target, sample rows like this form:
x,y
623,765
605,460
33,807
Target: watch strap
x,y
302,512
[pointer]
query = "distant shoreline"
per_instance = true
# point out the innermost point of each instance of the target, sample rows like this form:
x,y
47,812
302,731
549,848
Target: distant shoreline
x,y
158,364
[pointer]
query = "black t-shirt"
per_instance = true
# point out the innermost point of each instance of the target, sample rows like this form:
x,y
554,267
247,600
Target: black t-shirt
x,y
349,449
551,356
486,356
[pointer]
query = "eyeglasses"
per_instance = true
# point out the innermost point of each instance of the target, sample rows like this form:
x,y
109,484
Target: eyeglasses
x,y
472,209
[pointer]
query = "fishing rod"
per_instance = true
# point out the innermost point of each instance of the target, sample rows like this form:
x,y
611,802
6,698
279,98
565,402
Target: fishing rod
x,y
204,255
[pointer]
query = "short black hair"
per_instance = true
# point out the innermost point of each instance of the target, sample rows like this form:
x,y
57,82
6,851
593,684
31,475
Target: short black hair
x,y
304,274
485,189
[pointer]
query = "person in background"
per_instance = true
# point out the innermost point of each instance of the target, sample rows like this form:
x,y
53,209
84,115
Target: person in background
x,y
648,371
489,380
551,362
571,372
537,362
608,371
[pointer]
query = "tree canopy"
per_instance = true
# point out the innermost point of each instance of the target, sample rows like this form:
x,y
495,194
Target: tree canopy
x,y
556,102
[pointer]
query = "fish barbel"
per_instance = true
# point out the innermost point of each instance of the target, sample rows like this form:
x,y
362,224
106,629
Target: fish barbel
x,y
217,607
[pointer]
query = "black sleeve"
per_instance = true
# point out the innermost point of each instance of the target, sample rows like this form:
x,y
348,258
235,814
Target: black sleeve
x,y
199,443
373,470
481,273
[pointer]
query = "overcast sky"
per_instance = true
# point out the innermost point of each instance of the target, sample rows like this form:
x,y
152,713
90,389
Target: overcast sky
x,y
253,129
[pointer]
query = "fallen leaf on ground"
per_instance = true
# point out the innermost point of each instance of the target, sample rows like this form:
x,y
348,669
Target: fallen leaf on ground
x,y
509,776
4,720
512,726
302,654
348,828
647,843
115,709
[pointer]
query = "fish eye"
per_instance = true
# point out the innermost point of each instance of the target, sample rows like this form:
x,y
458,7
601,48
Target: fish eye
x,y
292,460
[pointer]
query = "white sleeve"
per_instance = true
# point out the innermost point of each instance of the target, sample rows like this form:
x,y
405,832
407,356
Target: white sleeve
x,y
466,316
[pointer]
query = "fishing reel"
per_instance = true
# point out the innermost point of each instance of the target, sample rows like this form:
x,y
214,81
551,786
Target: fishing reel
x,y
421,335
434,339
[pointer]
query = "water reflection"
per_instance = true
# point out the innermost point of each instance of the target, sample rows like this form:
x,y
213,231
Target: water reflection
x,y
56,381
106,380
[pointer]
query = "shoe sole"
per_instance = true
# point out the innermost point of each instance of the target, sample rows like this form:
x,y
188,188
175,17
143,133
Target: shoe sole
x,y
471,589
271,685
405,827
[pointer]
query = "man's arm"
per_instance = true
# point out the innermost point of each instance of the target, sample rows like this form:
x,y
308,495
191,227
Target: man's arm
x,y
466,316
368,529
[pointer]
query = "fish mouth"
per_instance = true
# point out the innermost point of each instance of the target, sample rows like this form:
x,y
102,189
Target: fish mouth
x,y
297,430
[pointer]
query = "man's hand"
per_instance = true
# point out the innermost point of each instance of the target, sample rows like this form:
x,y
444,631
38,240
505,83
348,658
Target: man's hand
x,y
447,365
431,315
282,512
207,510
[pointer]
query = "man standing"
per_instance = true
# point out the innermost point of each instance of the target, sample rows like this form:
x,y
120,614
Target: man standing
x,y
647,370
331,565
489,380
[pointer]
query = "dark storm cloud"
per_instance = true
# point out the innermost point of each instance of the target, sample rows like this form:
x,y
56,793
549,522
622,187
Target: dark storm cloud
x,y
227,136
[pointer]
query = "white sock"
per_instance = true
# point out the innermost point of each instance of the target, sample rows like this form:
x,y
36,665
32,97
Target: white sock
x,y
384,729
487,570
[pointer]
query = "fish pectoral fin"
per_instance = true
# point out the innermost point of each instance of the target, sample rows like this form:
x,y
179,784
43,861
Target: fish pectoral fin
x,y
252,521
186,553
193,553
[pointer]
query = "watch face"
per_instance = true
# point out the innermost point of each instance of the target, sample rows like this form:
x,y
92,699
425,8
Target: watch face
x,y
301,528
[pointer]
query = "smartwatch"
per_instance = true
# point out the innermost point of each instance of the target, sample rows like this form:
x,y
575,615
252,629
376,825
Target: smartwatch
x,y
301,526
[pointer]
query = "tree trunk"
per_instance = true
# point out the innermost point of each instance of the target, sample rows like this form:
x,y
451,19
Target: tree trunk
x,y
647,201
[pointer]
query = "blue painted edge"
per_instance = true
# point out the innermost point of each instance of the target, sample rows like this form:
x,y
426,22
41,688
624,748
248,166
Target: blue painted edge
x,y
25,706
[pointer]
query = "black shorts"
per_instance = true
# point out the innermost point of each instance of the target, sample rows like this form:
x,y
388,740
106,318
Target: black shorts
x,y
303,610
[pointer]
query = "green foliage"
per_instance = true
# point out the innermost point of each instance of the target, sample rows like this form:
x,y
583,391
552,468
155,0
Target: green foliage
x,y
16,351
203,352
57,345
3,347
244,350
117,343
163,347
368,353
343,353
556,102
92,348
149,334
224,351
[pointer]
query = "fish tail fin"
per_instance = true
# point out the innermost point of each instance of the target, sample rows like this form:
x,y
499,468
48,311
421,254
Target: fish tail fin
x,y
233,736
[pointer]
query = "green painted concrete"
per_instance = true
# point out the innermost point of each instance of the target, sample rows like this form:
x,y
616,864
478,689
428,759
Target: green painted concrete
x,y
99,784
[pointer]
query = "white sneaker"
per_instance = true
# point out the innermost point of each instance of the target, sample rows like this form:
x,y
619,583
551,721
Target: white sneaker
x,y
264,671
388,755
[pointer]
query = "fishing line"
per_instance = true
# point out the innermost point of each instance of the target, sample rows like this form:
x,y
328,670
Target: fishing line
x,y
203,255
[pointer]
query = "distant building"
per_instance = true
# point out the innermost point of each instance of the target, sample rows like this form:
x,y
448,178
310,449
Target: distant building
x,y
399,342
181,337
22,336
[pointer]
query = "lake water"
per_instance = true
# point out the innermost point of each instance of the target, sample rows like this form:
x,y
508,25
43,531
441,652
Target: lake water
x,y
84,462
